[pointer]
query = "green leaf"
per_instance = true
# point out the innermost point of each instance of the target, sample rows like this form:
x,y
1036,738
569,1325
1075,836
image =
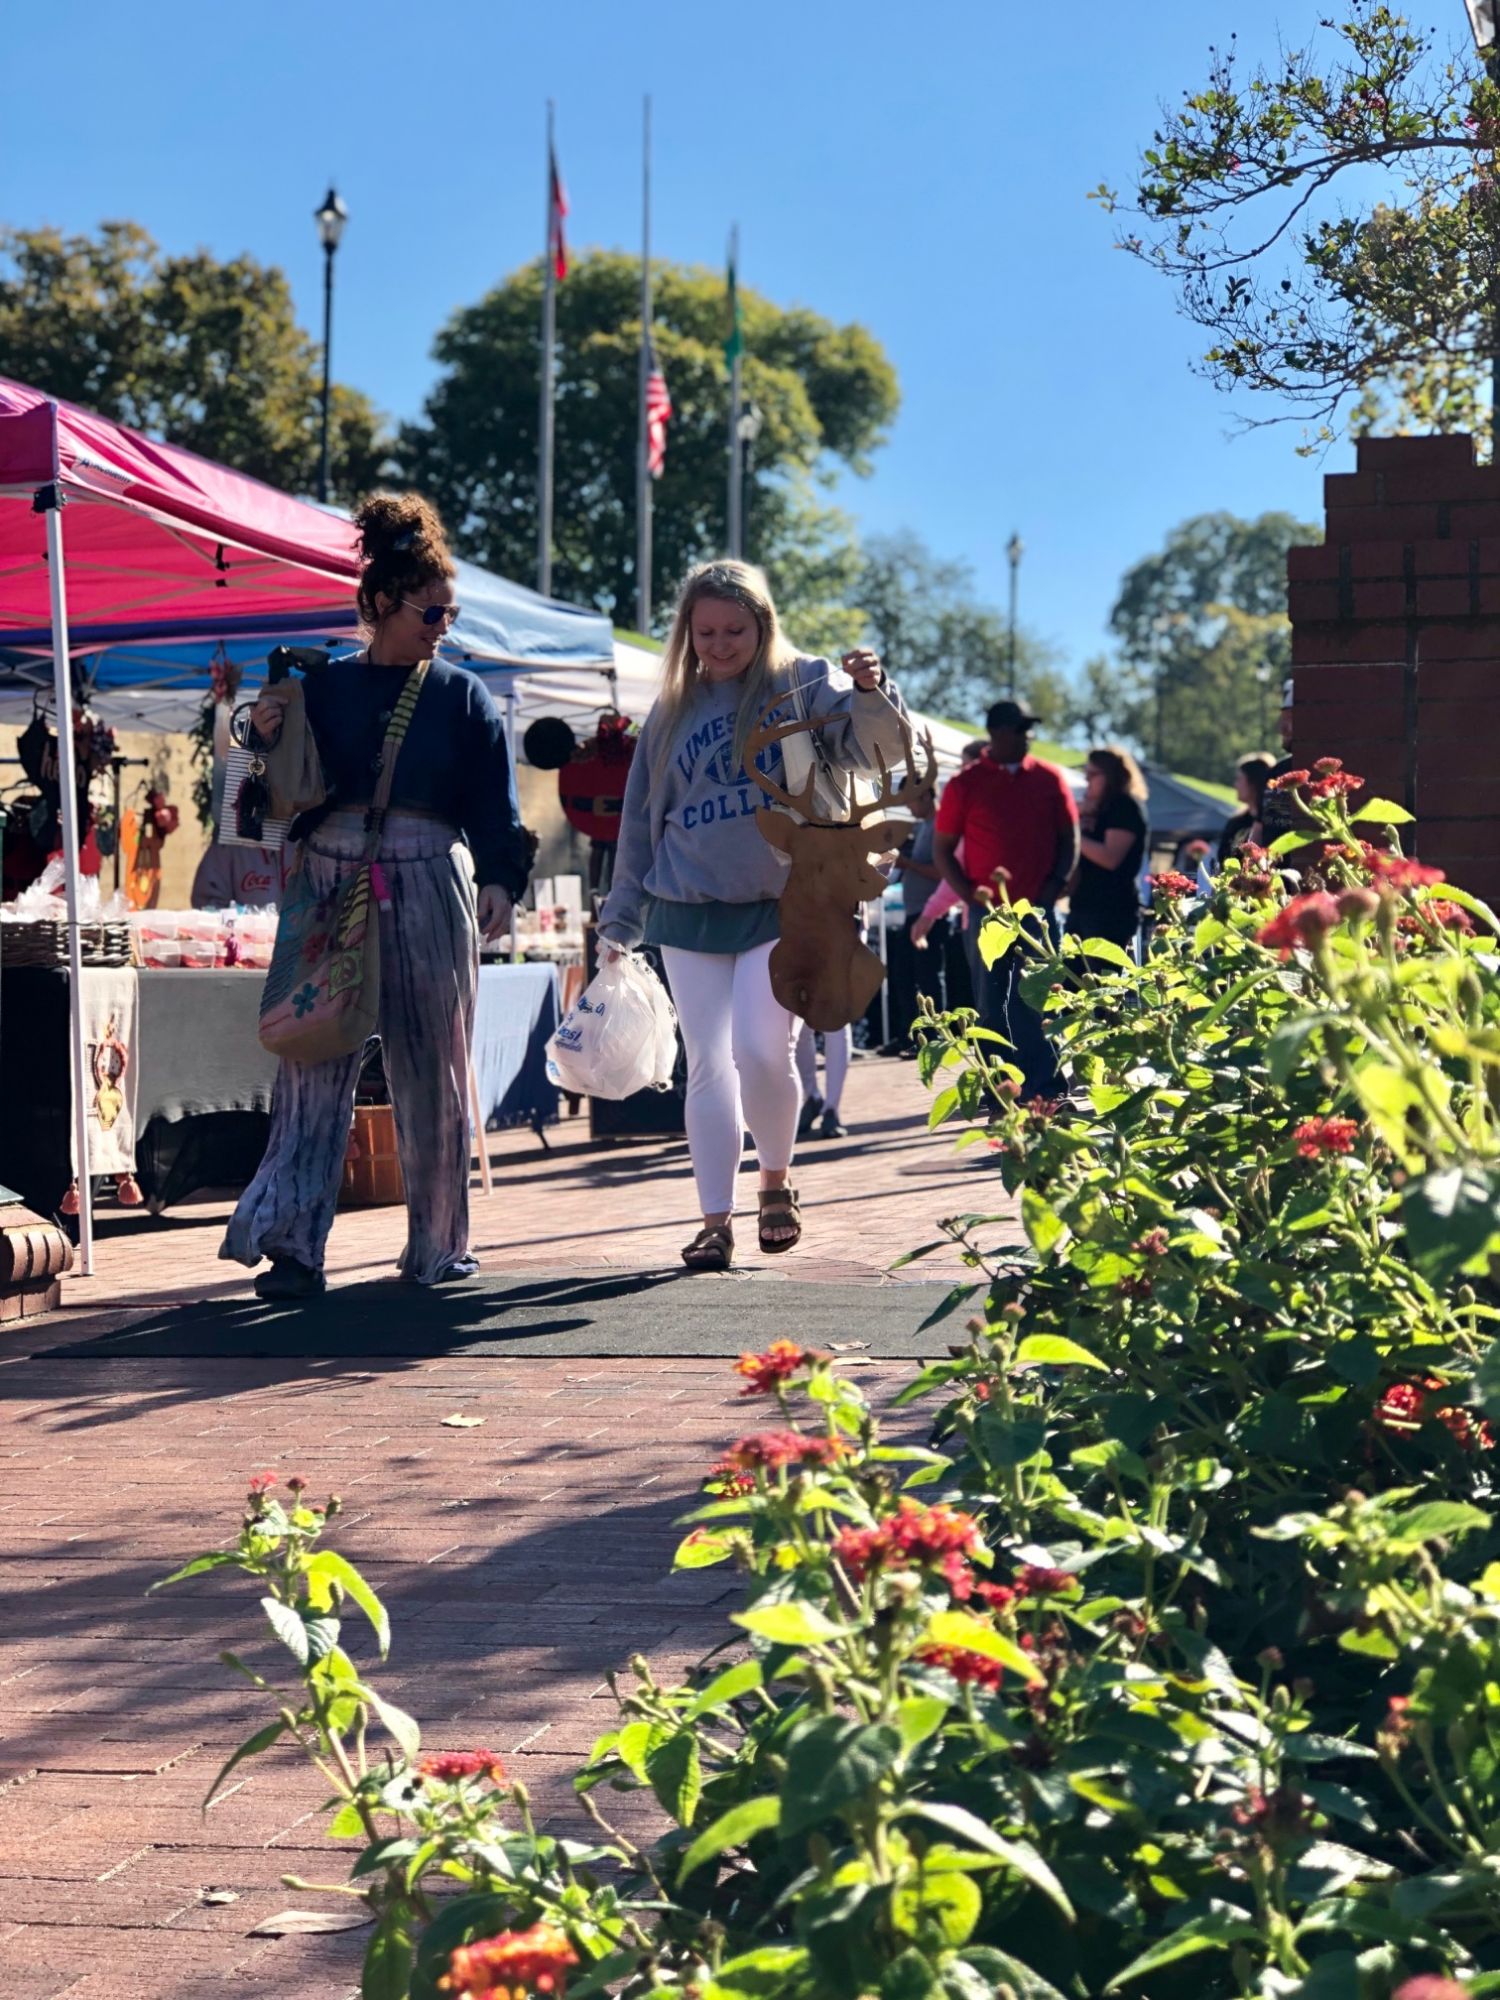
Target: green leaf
x,y
196,1567
977,1635
919,1717
997,934
289,1628
633,1746
388,1962
1450,1216
1051,1350
959,1296
731,1829
396,1721
793,1623
347,1824
831,1763
1005,1973
1018,1854
1107,950
701,1550
1438,1517
742,1678
251,1747
1113,1455
1285,1050
949,1903
1042,1223
676,1776
1382,812
1213,1932
328,1567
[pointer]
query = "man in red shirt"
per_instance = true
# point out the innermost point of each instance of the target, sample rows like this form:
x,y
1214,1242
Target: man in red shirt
x,y
1018,823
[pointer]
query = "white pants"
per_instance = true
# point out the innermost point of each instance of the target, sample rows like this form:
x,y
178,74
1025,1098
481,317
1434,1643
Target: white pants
x,y
739,1062
837,1047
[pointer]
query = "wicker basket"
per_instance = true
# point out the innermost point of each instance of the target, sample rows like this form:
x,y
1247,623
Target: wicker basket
x,y
42,941
372,1168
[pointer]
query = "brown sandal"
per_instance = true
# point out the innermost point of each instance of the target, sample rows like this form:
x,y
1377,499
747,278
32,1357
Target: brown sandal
x,y
778,1210
712,1249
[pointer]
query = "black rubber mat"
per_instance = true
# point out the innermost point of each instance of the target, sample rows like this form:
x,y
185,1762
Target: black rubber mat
x,y
594,1315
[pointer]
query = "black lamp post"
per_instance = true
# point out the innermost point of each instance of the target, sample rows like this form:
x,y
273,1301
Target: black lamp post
x,y
1014,550
752,420
330,219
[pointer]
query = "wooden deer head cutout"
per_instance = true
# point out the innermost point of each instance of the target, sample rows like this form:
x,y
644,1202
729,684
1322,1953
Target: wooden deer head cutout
x,y
821,970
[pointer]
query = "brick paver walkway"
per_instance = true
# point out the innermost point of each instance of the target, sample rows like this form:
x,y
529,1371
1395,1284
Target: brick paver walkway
x,y
522,1559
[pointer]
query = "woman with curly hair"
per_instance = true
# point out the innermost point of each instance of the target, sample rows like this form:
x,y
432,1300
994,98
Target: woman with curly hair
x,y
452,817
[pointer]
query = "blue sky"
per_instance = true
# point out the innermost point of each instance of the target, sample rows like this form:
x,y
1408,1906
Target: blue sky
x,y
920,168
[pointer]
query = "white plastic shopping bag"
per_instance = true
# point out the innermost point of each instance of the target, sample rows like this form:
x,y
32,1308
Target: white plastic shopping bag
x,y
619,1036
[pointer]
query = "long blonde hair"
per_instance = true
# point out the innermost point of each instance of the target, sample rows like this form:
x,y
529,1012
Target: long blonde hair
x,y
731,583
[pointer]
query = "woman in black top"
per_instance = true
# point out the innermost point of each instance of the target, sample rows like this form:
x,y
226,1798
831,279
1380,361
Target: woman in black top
x,y
1250,776
452,816
1106,901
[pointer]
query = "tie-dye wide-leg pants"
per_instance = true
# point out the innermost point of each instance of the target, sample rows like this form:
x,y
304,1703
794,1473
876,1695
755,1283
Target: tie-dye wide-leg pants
x,y
429,944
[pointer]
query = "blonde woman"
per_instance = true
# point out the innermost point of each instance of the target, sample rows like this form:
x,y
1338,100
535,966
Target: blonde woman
x,y
695,877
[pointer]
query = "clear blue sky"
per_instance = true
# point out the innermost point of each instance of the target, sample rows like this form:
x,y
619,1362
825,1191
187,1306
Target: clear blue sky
x,y
920,168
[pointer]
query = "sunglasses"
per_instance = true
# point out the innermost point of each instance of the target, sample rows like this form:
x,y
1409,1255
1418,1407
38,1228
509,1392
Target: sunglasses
x,y
433,614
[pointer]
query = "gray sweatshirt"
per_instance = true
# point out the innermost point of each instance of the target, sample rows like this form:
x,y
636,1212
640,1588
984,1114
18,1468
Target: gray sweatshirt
x,y
693,837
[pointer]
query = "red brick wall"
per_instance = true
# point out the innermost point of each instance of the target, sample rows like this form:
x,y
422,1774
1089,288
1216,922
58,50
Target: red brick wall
x,y
1396,643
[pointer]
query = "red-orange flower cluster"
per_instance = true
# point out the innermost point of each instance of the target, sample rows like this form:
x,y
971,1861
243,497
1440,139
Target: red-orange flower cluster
x,y
1304,920
1405,1406
768,1451
1288,781
451,1767
262,1482
764,1373
1155,1243
1170,886
917,1538
1398,871
998,1596
1036,1580
511,1966
969,1668
1316,1136
1330,779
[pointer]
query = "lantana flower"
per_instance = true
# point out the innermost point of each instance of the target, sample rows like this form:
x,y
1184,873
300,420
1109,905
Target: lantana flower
x,y
1317,1136
968,1668
1037,1580
917,1537
451,1767
511,1965
1302,921
768,1451
1171,886
764,1373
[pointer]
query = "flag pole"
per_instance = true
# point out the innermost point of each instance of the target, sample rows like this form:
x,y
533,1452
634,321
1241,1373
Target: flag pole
x,y
735,510
642,443
549,344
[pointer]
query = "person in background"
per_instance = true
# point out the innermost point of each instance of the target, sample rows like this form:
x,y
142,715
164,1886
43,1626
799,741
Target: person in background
x,y
1250,775
1014,814
944,897
914,974
452,821
820,1109
1105,902
245,878
1278,813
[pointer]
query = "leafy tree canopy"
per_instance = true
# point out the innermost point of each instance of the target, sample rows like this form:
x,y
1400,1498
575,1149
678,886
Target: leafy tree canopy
x,y
826,395
198,352
949,650
1331,217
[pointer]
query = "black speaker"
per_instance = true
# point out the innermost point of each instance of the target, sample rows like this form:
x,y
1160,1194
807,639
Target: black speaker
x,y
650,1114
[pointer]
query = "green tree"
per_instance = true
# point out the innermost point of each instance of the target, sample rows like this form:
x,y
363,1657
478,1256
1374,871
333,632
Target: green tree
x,y
949,650
198,352
1332,218
826,395
1204,642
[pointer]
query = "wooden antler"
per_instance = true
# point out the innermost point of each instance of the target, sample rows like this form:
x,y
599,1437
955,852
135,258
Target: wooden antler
x,y
915,787
761,737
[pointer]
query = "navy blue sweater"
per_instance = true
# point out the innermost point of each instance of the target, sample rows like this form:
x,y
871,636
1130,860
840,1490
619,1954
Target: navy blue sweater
x,y
453,762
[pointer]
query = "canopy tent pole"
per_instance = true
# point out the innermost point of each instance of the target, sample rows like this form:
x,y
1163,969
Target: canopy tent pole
x,y
510,745
49,501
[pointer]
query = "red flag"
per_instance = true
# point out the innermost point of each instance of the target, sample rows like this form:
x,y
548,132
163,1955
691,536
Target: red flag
x,y
557,245
658,413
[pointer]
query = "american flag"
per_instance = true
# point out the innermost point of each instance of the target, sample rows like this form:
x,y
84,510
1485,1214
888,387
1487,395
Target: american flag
x,y
658,413
557,247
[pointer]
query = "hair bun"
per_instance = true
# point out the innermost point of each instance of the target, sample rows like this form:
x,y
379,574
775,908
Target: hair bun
x,y
400,524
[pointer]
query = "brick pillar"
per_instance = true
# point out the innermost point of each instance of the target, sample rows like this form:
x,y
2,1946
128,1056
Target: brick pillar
x,y
1396,643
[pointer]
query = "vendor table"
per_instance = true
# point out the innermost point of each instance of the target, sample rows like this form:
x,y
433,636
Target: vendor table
x,y
204,1082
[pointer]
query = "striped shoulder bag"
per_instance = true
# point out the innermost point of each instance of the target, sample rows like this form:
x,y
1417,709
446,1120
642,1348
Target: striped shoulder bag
x,y
322,993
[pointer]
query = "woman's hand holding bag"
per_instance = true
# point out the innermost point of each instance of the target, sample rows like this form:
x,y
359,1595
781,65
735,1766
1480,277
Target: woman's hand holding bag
x,y
618,1037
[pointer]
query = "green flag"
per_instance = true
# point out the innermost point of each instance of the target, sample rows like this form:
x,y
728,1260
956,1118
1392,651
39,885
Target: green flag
x,y
734,344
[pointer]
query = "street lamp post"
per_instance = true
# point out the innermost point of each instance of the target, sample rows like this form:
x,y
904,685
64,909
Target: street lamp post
x,y
1014,550
330,219
752,421
1484,19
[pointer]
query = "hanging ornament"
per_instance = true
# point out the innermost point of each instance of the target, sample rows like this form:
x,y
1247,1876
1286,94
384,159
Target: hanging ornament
x,y
592,783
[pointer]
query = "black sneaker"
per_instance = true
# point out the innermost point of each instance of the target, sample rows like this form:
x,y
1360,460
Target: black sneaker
x,y
811,1106
832,1127
287,1279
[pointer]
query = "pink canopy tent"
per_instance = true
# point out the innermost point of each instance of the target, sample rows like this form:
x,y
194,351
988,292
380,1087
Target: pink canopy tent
x,y
138,539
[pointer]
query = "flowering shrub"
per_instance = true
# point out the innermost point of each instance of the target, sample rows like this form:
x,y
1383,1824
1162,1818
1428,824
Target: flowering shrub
x,y
1170,1663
